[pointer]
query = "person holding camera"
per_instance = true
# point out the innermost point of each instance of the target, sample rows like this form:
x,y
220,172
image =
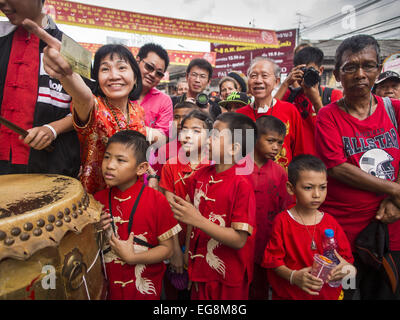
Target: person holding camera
x,y
303,88
198,77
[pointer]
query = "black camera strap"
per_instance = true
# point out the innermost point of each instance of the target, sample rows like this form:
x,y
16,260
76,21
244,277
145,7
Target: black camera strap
x,y
137,240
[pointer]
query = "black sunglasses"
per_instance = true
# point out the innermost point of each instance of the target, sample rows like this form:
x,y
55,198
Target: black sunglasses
x,y
151,69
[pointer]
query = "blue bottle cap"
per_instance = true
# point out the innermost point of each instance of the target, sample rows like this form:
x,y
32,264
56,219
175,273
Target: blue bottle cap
x,y
329,233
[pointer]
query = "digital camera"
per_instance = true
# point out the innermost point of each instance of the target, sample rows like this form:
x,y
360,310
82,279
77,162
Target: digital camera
x,y
311,76
202,100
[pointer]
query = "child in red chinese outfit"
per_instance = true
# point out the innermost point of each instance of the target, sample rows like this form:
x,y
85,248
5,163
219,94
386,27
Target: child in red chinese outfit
x,y
138,218
269,181
297,235
172,148
194,132
222,214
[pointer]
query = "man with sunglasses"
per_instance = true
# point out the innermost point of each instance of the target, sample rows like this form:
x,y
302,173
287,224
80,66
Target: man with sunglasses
x,y
153,61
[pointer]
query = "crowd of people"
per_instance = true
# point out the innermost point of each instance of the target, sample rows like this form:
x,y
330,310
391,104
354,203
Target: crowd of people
x,y
236,192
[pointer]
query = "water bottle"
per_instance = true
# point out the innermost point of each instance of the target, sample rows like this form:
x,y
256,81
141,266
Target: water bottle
x,y
329,245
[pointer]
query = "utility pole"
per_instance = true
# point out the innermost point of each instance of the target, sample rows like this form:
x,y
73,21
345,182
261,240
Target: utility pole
x,y
299,25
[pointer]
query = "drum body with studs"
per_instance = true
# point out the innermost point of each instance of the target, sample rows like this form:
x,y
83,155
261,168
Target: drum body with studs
x,y
49,247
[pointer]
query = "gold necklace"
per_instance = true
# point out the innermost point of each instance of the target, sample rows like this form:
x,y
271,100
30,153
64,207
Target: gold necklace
x,y
115,115
313,244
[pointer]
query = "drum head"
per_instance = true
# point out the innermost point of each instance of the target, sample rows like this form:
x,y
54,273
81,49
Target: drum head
x,y
36,211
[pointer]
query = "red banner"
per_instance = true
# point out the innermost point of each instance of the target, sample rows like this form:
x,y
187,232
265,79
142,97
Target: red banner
x,y
181,58
88,16
238,58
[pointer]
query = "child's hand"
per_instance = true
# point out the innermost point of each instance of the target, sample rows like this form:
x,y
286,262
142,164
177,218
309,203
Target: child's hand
x,y
105,221
123,249
185,212
336,273
176,261
307,282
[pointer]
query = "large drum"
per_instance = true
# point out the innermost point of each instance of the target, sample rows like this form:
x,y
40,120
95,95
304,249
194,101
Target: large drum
x,y
49,247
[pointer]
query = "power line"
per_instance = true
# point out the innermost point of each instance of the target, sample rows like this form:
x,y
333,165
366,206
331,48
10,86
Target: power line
x,y
368,11
366,28
339,16
385,31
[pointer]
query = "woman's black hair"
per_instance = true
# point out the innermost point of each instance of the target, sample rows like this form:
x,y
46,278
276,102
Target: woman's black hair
x,y
202,116
123,53
356,44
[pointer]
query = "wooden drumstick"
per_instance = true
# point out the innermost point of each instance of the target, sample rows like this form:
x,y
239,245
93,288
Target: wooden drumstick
x,y
20,131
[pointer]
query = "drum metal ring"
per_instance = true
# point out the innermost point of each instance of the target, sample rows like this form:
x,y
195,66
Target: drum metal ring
x,y
73,268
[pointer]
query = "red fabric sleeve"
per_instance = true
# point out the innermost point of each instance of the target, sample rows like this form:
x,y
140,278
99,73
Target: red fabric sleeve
x,y
167,225
299,144
286,95
244,208
285,199
167,178
190,185
336,95
274,253
328,140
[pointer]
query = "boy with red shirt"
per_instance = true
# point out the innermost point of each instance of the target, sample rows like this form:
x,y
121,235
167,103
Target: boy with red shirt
x,y
269,182
298,233
222,215
141,220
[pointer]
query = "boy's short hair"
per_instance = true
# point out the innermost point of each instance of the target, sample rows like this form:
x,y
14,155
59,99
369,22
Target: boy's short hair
x,y
202,116
300,46
157,49
132,139
309,55
238,121
186,105
304,162
202,64
266,124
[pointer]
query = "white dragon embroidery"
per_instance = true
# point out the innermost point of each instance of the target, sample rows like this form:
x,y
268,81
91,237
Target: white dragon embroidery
x,y
198,194
143,285
213,261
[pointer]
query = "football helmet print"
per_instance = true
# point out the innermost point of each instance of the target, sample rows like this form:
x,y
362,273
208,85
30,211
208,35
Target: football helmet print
x,y
378,163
